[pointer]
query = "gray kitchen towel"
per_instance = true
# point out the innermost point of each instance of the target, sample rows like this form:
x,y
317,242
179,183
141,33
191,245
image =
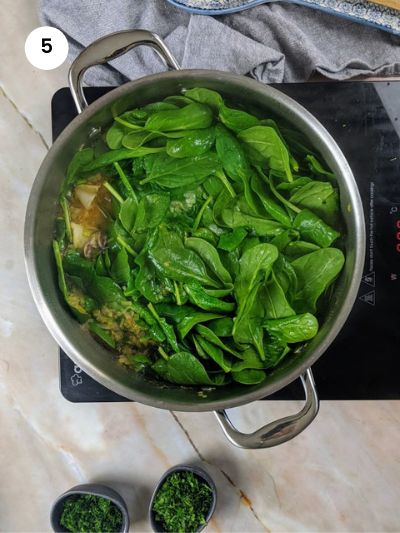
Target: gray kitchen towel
x,y
275,42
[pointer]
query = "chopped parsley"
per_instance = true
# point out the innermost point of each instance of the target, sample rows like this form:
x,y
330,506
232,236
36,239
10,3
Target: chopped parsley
x,y
88,513
183,502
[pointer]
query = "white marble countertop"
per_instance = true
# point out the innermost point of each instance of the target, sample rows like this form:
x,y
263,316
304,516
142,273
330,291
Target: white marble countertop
x,y
341,474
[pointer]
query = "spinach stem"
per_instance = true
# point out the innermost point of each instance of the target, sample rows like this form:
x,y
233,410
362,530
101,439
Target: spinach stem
x,y
125,181
199,215
115,193
177,294
163,353
221,175
277,194
166,328
150,306
128,248
68,228
128,124
60,268
146,180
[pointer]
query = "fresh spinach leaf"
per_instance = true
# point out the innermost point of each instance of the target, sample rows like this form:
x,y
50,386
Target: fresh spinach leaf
x,y
210,256
276,304
297,328
294,185
155,107
275,350
101,333
120,270
167,328
314,229
130,290
232,240
200,352
270,122
206,234
133,119
114,136
255,264
296,249
248,326
215,353
235,119
154,330
285,238
199,297
104,290
177,262
297,142
319,197
250,359
185,317
213,186
149,284
195,143
249,376
205,96
170,173
265,145
315,272
208,334
75,265
135,139
222,327
77,165
272,208
183,368
178,100
108,158
317,168
263,227
220,293
191,117
127,214
151,211
232,155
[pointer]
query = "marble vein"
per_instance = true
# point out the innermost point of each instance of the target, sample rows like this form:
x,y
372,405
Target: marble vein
x,y
243,498
3,93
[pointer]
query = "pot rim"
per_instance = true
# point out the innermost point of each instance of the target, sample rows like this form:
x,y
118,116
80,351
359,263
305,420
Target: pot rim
x,y
246,397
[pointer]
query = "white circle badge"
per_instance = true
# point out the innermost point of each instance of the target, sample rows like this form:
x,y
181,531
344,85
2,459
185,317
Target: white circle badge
x,y
46,48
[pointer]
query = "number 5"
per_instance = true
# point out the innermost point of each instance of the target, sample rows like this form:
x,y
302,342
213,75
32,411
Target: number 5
x,y
46,46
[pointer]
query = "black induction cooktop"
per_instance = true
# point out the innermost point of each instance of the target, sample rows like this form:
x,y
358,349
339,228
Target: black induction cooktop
x,y
364,360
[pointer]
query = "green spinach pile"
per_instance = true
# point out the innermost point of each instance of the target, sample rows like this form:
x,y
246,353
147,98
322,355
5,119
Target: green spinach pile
x,y
217,246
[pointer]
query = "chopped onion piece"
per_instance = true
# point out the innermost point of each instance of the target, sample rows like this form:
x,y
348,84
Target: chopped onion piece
x,y
79,235
86,194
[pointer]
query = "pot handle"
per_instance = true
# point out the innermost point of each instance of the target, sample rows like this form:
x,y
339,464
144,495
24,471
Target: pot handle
x,y
279,431
110,47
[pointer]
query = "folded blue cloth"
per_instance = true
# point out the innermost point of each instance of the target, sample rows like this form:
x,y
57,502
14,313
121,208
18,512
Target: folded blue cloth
x,y
361,11
276,42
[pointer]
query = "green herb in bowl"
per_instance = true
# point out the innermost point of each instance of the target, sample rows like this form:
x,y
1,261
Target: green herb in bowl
x,y
86,512
183,502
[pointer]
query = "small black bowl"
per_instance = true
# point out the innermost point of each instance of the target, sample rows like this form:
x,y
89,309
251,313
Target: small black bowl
x,y
93,489
156,526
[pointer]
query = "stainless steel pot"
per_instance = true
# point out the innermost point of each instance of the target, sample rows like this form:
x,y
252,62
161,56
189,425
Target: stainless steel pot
x,y
41,211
